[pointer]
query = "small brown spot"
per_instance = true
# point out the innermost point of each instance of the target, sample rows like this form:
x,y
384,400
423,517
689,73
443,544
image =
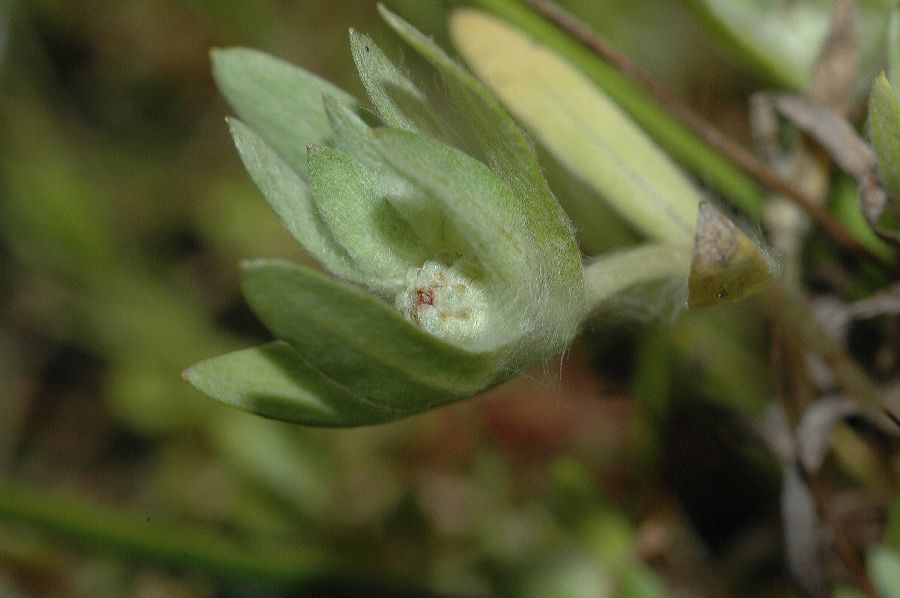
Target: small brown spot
x,y
443,316
464,314
460,287
424,297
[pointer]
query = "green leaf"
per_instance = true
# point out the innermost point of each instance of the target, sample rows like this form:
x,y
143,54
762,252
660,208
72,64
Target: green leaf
x,y
352,337
400,103
584,129
274,381
782,39
845,203
776,38
354,137
509,155
503,145
291,198
675,138
639,580
177,545
884,568
352,205
486,214
505,148
351,134
893,45
884,129
279,101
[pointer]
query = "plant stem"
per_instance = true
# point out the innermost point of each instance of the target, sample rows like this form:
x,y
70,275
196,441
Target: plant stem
x,y
142,537
616,272
739,155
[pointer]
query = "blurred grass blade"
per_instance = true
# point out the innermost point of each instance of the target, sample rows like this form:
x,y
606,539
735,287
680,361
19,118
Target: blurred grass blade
x,y
581,126
179,545
884,568
352,337
274,381
291,198
400,103
847,207
884,130
782,40
779,39
281,103
893,45
801,533
815,430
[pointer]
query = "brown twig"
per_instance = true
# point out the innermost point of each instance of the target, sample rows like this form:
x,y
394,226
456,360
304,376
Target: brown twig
x,y
742,157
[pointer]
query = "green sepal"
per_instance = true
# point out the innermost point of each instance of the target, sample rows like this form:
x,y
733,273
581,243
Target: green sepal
x,y
291,199
352,204
884,130
274,381
279,101
353,337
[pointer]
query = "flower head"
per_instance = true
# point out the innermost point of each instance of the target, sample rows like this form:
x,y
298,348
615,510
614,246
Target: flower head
x,y
455,266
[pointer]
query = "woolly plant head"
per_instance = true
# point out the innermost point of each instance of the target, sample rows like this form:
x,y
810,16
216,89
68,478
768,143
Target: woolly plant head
x,y
454,266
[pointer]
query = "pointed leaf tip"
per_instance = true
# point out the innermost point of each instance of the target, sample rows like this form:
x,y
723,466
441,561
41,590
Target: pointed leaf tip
x,y
274,381
280,102
727,265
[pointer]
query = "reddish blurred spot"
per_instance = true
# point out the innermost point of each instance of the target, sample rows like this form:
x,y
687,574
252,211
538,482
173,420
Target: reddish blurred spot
x,y
424,297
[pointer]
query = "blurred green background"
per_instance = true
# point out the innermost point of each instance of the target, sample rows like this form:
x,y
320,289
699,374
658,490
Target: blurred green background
x,y
623,470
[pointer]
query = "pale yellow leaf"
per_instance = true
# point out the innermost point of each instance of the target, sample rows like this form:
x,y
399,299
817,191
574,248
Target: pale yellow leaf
x,y
583,128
